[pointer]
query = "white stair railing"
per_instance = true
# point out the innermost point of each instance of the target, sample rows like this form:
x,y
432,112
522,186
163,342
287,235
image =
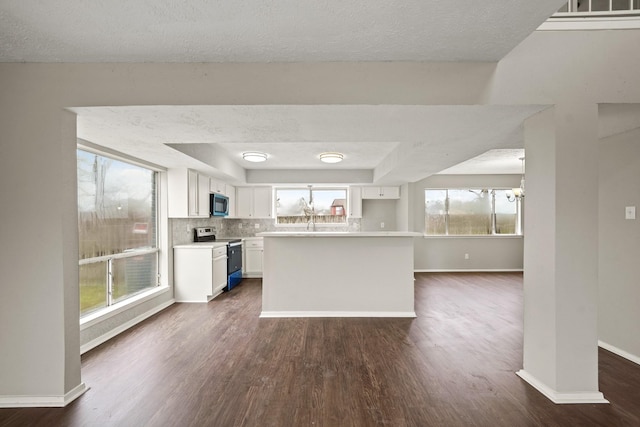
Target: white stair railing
x,y
598,8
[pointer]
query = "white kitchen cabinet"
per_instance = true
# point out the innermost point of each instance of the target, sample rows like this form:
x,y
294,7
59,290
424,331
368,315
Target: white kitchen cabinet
x,y
188,194
253,202
219,274
252,250
355,202
262,197
244,202
204,203
216,186
200,272
380,192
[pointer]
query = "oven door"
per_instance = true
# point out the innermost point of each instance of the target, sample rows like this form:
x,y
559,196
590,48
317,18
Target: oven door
x,y
234,257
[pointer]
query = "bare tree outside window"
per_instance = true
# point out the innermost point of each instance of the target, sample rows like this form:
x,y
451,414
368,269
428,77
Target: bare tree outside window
x,y
316,205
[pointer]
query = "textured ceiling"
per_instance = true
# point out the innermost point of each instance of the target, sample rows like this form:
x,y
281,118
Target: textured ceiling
x,y
396,143
265,31
505,160
388,143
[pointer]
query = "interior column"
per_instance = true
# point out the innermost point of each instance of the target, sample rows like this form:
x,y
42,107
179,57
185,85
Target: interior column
x,y
39,302
560,354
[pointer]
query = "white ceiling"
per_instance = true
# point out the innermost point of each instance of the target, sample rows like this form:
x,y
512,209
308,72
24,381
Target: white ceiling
x,y
382,144
390,143
265,31
505,160
396,143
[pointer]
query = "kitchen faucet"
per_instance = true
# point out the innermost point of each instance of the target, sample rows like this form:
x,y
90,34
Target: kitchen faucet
x,y
309,210
312,222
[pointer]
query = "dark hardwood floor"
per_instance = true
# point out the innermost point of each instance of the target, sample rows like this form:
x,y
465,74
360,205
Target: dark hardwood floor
x,y
218,364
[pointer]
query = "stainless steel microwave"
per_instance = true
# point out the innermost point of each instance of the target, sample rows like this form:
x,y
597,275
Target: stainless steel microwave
x,y
219,205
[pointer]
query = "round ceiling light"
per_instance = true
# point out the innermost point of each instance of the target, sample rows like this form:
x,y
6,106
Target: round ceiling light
x,y
254,156
331,157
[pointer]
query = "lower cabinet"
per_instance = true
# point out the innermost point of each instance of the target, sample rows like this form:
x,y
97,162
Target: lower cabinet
x,y
219,273
200,274
252,254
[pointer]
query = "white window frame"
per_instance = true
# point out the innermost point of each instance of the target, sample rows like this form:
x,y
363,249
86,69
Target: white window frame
x,y
493,234
162,283
314,188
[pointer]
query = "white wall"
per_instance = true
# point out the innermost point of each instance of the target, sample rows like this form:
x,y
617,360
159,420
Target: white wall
x,y
447,253
619,243
40,348
551,67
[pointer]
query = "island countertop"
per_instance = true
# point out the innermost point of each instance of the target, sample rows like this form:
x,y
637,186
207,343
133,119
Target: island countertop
x,y
338,234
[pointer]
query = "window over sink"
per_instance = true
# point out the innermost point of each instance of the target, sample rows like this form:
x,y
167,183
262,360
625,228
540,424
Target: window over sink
x,y
311,205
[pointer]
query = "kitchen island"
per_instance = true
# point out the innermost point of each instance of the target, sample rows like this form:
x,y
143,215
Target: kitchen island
x,y
338,274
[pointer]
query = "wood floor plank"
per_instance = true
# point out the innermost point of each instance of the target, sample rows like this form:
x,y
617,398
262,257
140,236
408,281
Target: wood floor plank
x,y
219,364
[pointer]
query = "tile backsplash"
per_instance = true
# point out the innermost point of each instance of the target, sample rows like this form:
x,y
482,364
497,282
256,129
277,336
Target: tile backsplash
x,y
182,228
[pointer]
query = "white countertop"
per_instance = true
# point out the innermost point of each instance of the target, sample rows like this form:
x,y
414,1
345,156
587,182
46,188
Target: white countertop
x,y
339,234
201,245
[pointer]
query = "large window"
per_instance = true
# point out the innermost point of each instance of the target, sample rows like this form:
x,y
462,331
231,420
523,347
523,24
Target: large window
x,y
117,230
472,212
306,206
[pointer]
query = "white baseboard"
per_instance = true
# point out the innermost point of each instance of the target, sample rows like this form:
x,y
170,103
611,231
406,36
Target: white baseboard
x,y
112,333
471,270
613,349
560,397
43,401
273,314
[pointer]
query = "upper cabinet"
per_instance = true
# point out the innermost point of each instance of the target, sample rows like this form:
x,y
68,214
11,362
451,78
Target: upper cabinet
x,y
188,194
244,202
253,202
216,186
380,192
262,197
355,202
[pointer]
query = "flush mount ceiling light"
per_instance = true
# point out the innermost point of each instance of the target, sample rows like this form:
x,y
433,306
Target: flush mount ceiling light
x,y
331,157
254,156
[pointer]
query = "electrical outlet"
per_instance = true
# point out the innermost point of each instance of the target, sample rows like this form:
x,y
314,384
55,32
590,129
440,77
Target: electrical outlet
x,y
630,212
466,256
257,226
240,225
382,225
